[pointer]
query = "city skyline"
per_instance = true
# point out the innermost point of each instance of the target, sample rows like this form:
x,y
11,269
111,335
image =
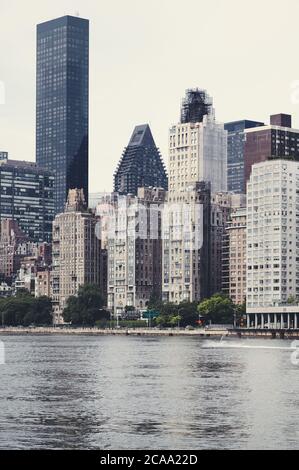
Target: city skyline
x,y
143,52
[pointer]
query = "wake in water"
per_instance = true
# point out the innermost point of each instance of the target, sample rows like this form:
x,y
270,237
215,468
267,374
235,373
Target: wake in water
x,y
209,344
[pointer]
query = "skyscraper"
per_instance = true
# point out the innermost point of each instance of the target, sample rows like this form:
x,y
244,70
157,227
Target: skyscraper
x,y
197,167
62,104
26,196
198,146
141,164
235,153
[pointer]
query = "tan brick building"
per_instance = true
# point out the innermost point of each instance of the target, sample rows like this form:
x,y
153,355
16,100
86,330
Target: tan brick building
x,y
76,252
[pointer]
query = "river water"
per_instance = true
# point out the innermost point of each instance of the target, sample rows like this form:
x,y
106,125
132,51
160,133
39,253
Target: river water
x,y
74,392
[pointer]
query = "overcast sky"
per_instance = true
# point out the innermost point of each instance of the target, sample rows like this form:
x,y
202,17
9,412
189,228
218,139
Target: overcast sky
x,y
143,55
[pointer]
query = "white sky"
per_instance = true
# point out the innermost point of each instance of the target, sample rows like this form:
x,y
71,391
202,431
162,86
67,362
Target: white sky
x,y
143,55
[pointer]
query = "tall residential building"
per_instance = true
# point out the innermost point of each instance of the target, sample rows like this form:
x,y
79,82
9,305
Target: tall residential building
x,y
26,196
197,166
277,140
62,104
197,149
76,251
235,153
135,249
141,164
234,256
272,244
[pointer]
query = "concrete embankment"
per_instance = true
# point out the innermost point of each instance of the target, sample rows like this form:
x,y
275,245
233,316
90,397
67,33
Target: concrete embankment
x,y
128,332
200,332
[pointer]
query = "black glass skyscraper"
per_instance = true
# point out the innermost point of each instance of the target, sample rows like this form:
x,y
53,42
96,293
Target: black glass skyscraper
x,y
62,104
141,164
236,181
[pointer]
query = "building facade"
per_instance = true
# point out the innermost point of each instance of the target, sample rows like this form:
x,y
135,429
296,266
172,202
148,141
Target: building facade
x,y
234,256
10,237
135,250
197,167
277,140
272,244
197,149
27,197
235,153
43,283
186,245
62,104
75,253
221,206
141,164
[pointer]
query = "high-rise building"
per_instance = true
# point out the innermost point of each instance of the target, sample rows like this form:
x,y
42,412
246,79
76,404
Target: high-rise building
x,y
234,256
76,251
26,196
62,104
235,153
197,166
277,140
141,164
197,149
272,244
135,250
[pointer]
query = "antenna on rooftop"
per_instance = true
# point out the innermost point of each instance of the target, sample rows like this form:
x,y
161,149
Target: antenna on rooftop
x,y
77,13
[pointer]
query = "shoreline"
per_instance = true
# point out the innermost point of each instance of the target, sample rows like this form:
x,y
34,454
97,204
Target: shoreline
x,y
201,333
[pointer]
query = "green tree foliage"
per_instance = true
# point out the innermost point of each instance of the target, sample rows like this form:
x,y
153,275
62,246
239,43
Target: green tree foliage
x,y
182,314
24,309
218,308
86,308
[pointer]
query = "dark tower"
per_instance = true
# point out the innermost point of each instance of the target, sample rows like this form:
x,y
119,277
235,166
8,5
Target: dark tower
x,y
62,104
195,105
141,164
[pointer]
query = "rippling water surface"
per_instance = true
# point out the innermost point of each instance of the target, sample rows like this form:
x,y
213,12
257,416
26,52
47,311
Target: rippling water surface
x,y
68,392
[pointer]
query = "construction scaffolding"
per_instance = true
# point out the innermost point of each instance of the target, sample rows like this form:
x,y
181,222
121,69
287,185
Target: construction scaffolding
x,y
195,105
